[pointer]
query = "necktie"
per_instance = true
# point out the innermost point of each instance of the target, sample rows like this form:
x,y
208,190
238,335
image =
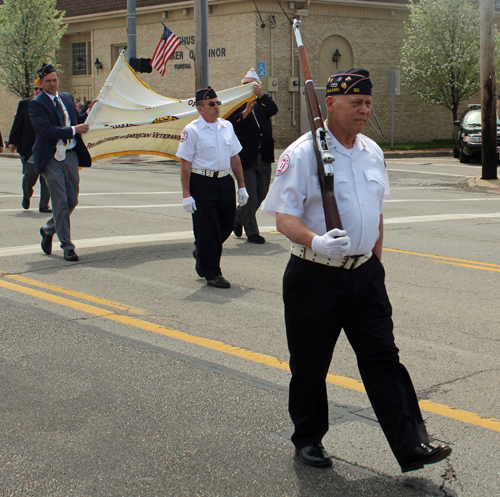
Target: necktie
x,y
60,112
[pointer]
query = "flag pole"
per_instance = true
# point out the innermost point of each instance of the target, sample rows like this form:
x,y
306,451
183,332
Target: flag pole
x,y
131,29
201,44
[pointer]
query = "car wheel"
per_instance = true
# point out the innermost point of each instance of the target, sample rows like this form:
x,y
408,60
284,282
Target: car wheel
x,y
456,152
464,159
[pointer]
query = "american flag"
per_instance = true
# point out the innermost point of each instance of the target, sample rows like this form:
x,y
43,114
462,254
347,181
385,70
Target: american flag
x,y
165,49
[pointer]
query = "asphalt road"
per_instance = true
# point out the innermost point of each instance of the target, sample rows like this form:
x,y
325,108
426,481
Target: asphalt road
x,y
124,374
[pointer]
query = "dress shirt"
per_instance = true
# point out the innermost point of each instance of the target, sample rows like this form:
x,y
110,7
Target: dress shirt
x,y
72,142
209,145
361,184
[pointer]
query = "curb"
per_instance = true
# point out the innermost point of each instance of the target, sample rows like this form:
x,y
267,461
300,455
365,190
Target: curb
x,y
490,184
402,154
417,153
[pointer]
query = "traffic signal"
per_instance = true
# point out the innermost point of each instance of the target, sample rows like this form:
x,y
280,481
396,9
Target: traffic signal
x,y
141,65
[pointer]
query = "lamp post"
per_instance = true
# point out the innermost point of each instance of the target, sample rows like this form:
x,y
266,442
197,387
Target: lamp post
x,y
97,64
336,58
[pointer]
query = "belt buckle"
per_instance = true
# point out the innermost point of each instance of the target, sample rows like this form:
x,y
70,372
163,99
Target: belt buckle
x,y
216,174
349,262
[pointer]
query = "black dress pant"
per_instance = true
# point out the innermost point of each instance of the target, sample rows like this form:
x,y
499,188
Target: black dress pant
x,y
257,178
320,301
30,177
213,220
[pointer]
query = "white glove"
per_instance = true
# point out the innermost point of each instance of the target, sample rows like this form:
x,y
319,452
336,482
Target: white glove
x,y
189,204
334,244
242,197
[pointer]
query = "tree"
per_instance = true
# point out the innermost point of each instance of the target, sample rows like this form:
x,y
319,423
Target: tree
x,y
440,56
30,34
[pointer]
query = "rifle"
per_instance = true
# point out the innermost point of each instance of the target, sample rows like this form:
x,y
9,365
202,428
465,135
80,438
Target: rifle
x,y
323,155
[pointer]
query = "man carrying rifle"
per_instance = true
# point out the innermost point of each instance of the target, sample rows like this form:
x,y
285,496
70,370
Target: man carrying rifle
x,y
335,280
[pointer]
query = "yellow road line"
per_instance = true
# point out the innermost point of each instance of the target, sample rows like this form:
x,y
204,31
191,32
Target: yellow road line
x,y
426,405
451,259
470,265
460,415
79,295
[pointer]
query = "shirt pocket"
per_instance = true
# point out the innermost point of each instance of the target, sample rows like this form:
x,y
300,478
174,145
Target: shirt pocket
x,y
206,150
376,184
342,191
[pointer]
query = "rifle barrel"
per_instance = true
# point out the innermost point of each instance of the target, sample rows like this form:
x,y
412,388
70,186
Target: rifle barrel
x,y
323,155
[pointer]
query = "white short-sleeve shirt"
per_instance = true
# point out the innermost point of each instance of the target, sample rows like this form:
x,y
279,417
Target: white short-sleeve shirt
x,y
360,184
208,145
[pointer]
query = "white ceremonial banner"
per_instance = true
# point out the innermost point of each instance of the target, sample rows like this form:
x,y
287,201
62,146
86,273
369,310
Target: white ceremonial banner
x,y
130,118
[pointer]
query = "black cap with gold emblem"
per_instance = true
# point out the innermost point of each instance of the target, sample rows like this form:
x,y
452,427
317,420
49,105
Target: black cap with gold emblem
x,y
351,82
205,93
45,69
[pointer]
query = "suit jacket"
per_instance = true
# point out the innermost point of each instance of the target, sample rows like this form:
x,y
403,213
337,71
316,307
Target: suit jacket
x,y
252,136
22,134
48,129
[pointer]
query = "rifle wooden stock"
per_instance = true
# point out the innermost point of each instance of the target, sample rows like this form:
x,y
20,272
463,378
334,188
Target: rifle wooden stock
x,y
323,155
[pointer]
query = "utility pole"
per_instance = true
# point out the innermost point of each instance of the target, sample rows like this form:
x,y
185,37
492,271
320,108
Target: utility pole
x,y
201,44
488,90
131,29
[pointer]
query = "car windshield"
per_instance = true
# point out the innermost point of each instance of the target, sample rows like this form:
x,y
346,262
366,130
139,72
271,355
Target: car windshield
x,y
473,118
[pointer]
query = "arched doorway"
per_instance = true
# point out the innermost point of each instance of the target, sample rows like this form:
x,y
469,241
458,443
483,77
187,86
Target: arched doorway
x,y
334,44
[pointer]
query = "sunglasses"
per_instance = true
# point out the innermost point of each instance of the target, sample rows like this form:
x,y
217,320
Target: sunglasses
x,y
213,104
37,88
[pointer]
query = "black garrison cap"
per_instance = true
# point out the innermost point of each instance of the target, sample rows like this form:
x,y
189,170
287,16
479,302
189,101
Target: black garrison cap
x,y
45,69
351,82
205,93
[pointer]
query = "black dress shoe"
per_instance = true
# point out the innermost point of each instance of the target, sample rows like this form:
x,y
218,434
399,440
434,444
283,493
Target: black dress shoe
x,y
198,266
424,454
219,282
45,209
256,239
70,255
46,241
238,229
26,203
314,455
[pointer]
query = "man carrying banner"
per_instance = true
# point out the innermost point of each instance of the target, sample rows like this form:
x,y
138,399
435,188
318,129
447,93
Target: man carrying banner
x,y
57,153
335,280
253,127
208,152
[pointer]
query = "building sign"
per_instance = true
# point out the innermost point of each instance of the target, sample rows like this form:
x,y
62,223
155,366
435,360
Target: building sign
x,y
261,69
189,40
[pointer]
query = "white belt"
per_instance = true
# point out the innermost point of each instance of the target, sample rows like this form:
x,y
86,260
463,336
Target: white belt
x,y
348,262
210,173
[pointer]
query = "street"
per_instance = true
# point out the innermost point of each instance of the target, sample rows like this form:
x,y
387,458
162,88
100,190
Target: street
x,y
124,374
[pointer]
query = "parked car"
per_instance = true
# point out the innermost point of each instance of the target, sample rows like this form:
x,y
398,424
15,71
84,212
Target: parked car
x,y
467,134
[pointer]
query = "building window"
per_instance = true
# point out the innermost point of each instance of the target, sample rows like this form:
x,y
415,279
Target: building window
x,y
116,50
80,58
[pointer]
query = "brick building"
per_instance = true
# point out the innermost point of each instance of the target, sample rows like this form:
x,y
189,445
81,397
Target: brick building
x,y
245,34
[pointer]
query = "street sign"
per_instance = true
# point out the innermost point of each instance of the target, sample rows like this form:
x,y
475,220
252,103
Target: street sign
x,y
393,89
261,69
394,82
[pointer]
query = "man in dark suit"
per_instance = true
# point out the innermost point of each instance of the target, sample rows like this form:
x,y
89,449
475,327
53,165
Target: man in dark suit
x,y
58,152
253,127
22,136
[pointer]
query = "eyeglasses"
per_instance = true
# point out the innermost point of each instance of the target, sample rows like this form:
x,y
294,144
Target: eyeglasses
x,y
213,104
37,88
